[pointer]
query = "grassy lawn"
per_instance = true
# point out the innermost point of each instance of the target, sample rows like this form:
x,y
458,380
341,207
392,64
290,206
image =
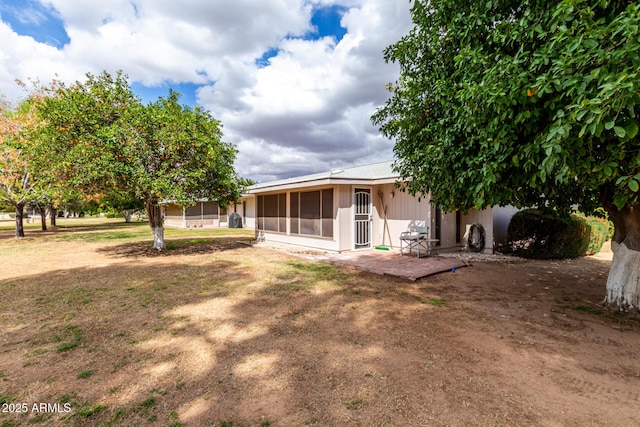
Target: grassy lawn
x,y
95,319
98,329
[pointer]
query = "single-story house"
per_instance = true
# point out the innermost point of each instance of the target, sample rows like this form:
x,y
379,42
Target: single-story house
x,y
205,213
358,208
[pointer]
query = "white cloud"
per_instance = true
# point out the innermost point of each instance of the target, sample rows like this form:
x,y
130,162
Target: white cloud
x,y
307,111
316,97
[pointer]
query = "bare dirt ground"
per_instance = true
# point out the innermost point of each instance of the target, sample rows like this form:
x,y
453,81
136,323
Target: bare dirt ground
x,y
225,334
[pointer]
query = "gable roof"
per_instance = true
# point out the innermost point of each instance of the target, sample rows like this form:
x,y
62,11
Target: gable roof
x,y
376,173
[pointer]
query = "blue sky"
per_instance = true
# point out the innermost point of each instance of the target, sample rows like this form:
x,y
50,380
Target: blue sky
x,y
31,18
294,82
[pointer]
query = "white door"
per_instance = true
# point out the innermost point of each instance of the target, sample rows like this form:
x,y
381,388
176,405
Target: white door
x,y
362,218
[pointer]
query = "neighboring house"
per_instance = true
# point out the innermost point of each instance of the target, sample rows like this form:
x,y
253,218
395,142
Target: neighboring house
x,y
344,210
207,214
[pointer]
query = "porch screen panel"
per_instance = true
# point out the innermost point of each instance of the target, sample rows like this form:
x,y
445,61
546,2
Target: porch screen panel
x,y
194,212
173,212
210,210
271,212
327,213
295,212
310,213
282,213
270,219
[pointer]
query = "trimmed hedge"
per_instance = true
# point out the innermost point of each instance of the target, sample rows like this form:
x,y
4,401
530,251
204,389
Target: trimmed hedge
x,y
599,233
537,234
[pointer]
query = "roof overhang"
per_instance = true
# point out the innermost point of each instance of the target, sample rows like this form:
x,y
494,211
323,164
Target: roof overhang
x,y
323,182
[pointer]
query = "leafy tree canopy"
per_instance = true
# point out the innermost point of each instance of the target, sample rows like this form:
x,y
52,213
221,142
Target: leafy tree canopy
x,y
518,102
98,137
19,182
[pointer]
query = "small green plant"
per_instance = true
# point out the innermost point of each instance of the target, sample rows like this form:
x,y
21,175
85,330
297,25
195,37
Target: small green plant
x,y
75,341
146,408
69,398
432,301
173,416
148,402
589,309
225,424
118,416
39,418
265,423
354,404
121,363
88,411
86,374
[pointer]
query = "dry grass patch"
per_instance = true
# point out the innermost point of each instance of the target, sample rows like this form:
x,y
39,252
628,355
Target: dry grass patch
x,y
214,332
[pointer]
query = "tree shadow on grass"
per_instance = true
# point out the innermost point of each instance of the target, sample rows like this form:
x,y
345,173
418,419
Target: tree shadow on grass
x,y
177,247
254,337
70,229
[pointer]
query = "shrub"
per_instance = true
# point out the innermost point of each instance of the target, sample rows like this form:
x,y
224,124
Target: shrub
x,y
538,234
599,228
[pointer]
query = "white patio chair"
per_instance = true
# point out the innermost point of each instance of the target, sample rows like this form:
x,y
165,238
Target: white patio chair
x,y
415,240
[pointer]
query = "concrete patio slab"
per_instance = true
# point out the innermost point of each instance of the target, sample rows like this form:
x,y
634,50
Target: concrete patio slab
x,y
391,263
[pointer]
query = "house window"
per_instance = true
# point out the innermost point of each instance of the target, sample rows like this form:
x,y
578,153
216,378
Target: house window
x,y
312,213
272,212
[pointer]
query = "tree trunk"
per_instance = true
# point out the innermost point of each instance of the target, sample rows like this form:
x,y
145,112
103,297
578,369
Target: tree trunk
x,y
54,213
19,217
43,217
156,224
623,283
126,213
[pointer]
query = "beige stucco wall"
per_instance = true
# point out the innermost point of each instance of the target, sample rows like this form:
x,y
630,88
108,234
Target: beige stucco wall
x,y
247,209
403,211
344,217
485,218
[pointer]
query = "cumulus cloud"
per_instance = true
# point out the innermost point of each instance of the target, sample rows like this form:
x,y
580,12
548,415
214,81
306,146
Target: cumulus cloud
x,y
294,102
315,97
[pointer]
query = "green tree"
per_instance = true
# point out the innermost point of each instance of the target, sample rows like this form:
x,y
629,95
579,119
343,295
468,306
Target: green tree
x,y
19,186
528,103
98,137
125,203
